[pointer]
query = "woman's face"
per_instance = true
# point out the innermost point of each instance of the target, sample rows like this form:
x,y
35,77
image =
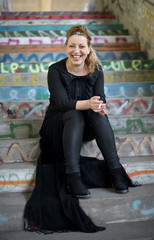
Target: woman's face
x,y
77,50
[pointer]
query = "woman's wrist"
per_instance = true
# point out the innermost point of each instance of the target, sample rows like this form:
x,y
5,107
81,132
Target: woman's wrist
x,y
83,105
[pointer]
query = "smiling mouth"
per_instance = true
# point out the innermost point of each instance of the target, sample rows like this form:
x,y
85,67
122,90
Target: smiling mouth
x,y
76,58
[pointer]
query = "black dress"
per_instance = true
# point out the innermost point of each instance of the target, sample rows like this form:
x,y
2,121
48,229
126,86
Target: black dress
x,y
51,208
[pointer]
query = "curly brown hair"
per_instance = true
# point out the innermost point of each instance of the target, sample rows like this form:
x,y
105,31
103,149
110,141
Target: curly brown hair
x,y
91,61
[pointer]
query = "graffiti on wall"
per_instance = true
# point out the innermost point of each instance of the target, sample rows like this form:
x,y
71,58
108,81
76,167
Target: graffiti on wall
x,y
148,25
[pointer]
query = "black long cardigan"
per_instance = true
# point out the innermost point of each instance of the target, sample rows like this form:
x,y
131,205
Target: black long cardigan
x,y
51,208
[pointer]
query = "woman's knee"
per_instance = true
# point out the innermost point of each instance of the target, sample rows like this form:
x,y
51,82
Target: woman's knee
x,y
97,119
74,117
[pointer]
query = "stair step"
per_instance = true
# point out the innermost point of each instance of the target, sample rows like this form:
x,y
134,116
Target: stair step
x,y
20,177
29,128
57,56
49,13
57,17
61,33
25,150
50,27
58,22
135,46
115,107
37,76
141,66
112,90
138,230
62,40
104,207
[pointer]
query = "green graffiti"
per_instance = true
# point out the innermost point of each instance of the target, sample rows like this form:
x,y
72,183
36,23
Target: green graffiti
x,y
127,65
13,126
134,126
41,96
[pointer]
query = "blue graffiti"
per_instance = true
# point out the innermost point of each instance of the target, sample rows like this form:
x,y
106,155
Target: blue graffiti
x,y
136,204
60,56
34,57
54,57
48,57
125,56
3,219
6,58
31,93
20,57
148,212
107,56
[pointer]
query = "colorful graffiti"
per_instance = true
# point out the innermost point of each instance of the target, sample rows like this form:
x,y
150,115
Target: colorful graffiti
x,y
29,150
24,67
140,206
58,17
128,76
135,107
62,40
127,65
148,26
22,129
32,93
24,150
36,110
30,128
59,27
54,57
59,33
58,22
40,79
25,110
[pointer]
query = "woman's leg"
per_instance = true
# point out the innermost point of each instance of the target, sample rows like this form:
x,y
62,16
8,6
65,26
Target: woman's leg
x,y
104,136
105,140
72,141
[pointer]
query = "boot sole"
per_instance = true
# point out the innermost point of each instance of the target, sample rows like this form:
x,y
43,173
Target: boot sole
x,y
122,191
79,196
82,196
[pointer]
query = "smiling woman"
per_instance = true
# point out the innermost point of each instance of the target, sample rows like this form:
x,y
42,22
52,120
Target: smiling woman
x,y
76,113
79,49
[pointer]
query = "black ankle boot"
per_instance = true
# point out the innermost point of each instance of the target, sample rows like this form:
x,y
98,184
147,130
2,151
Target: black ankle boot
x,y
119,181
76,187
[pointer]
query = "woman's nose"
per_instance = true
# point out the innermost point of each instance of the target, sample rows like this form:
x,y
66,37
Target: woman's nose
x,y
77,49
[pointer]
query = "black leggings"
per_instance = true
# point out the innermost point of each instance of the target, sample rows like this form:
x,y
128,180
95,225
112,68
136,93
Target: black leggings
x,y
82,126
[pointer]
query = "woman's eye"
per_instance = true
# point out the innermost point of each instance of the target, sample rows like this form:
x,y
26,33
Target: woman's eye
x,y
82,46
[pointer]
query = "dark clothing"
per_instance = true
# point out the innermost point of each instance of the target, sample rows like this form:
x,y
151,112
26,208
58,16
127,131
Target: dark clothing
x,y
50,206
82,126
66,88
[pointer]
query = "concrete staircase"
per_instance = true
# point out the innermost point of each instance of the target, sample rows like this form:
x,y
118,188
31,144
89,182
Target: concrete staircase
x,y
28,45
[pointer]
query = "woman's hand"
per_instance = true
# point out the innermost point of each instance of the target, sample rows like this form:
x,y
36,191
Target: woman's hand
x,y
93,103
103,109
97,105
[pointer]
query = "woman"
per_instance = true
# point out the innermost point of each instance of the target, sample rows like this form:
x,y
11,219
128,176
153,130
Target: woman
x,y
76,113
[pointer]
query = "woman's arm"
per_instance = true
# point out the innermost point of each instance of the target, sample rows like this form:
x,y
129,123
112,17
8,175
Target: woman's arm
x,y
60,97
58,93
99,91
93,103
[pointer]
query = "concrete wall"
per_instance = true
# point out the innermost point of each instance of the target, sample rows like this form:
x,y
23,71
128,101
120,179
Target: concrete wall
x,y
138,17
49,5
